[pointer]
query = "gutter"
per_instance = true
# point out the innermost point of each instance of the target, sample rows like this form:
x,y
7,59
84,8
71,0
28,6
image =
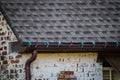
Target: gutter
x,y
72,47
27,65
72,44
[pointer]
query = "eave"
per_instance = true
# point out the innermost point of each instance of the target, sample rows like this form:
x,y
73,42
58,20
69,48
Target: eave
x,y
111,47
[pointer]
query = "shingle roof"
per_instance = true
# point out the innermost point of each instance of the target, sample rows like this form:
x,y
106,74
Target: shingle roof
x,y
64,20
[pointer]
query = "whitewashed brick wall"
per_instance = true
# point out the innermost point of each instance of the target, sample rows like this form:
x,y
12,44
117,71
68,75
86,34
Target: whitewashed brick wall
x,y
6,36
84,65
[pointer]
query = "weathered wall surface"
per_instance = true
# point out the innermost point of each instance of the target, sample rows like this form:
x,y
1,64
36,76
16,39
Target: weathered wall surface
x,y
6,36
48,66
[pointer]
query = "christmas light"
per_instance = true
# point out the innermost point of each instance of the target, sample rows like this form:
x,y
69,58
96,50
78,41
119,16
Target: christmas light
x,y
82,44
47,43
12,25
59,43
117,43
36,42
93,43
71,42
106,43
29,43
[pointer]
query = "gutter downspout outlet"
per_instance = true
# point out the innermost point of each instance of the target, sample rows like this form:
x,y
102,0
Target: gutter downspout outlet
x,y
27,65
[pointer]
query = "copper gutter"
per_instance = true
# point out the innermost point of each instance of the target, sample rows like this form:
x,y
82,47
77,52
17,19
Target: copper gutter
x,y
72,49
27,65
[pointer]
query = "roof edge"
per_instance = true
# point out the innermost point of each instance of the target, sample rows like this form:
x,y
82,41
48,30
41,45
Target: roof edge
x,y
70,44
8,21
68,49
73,47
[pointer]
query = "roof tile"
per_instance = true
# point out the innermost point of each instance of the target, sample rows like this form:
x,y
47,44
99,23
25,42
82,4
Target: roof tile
x,y
65,20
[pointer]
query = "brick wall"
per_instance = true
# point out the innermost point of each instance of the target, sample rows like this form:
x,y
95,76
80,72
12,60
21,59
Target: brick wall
x,y
7,71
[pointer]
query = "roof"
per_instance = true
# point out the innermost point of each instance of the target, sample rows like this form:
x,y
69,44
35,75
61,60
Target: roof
x,y
63,20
